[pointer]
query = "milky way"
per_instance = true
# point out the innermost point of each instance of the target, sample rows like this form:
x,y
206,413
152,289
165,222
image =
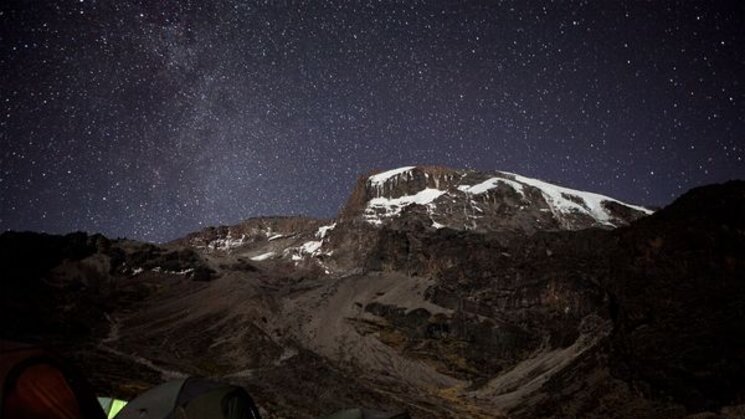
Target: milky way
x,y
151,119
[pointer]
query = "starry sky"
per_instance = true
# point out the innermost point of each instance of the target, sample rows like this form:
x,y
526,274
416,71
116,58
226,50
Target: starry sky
x,y
150,119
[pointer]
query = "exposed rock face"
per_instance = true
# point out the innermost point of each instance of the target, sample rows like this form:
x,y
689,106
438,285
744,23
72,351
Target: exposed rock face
x,y
415,197
251,231
285,243
678,288
481,201
419,198
499,317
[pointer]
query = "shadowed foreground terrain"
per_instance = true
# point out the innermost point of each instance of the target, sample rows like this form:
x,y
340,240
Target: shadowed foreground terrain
x,y
644,320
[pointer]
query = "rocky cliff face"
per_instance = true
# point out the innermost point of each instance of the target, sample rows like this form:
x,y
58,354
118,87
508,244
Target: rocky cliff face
x,y
417,197
490,316
481,201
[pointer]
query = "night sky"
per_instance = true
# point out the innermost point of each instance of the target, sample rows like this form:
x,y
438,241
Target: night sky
x,y
149,119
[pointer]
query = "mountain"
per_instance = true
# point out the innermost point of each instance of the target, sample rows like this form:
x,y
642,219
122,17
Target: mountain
x,y
549,303
482,201
430,197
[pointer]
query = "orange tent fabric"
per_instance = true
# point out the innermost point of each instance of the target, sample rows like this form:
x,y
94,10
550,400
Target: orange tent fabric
x,y
36,384
41,392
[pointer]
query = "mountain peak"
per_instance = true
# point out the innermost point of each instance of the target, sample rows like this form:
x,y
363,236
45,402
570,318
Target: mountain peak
x,y
475,200
393,183
418,197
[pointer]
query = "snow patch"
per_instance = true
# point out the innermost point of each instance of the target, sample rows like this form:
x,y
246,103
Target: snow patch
x,y
182,272
323,230
311,247
275,237
491,184
422,197
389,207
381,178
227,243
263,256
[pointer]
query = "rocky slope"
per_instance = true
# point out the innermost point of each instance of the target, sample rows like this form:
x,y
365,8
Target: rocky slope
x,y
424,196
489,316
481,201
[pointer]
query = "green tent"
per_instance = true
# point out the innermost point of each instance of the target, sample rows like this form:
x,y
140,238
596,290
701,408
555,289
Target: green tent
x,y
191,398
358,413
111,406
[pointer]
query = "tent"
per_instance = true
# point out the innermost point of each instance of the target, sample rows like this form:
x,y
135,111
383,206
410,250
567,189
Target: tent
x,y
37,384
111,406
358,413
191,398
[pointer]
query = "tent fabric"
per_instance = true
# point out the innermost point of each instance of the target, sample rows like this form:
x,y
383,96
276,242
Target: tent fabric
x,y
37,384
358,413
191,398
40,391
237,405
111,406
194,388
156,403
230,401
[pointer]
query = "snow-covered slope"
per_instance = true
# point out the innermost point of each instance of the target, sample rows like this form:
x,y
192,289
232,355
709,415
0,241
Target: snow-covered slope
x,y
490,201
567,200
433,197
